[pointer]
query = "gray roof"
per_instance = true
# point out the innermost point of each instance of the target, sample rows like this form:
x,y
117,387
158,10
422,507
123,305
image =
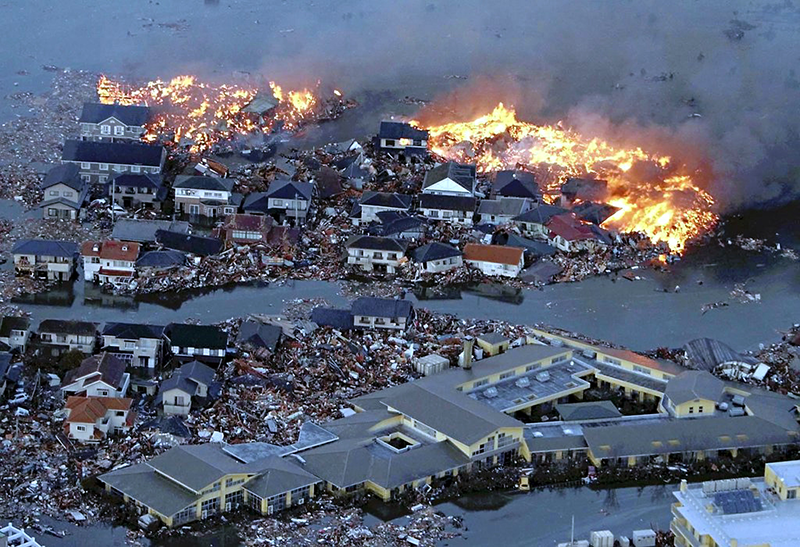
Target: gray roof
x,y
377,243
161,259
381,307
62,326
45,247
260,335
143,484
536,248
401,130
9,323
593,410
110,369
542,272
197,245
493,337
521,184
290,189
198,372
332,317
385,199
708,354
137,180
67,173
133,331
256,201
144,231
694,384
540,213
198,466
502,206
279,475
196,336
447,203
120,153
128,114
200,182
461,174
261,103
434,251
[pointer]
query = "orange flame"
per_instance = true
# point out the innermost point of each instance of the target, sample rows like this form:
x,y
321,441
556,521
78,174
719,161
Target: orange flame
x,y
671,209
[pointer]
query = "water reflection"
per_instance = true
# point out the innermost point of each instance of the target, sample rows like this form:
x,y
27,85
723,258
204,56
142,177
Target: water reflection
x,y
60,296
498,292
94,296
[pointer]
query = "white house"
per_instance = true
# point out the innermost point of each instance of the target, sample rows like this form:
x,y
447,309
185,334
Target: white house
x,y
113,122
381,313
90,419
15,332
44,258
136,345
380,254
57,336
109,261
533,222
495,259
101,375
503,209
437,257
99,161
372,203
204,196
450,179
191,381
197,342
289,199
458,209
402,137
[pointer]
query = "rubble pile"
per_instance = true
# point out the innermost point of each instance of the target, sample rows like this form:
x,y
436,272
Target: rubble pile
x,y
761,245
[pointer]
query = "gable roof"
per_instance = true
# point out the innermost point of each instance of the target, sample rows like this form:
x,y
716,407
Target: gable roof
x,y
540,213
9,323
596,213
289,189
256,201
200,182
45,247
66,173
447,203
434,251
137,180
111,250
498,254
594,410
400,130
80,328
127,114
585,189
61,200
161,259
377,243
197,466
197,245
502,206
197,371
196,336
708,354
381,307
461,173
109,368
570,228
132,331
119,153
144,231
332,317
401,224
386,199
536,248
521,184
260,335
279,475
694,384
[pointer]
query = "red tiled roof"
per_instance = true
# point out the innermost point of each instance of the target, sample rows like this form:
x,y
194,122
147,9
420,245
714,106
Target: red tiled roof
x,y
87,410
499,254
569,227
112,250
115,273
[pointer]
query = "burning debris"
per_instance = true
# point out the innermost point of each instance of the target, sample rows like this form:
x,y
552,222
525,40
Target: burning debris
x,y
671,207
196,114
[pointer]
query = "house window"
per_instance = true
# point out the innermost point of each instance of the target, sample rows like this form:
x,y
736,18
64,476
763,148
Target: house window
x,y
53,192
129,344
67,194
102,392
434,214
278,202
85,178
52,212
691,410
700,409
417,142
86,165
179,400
791,494
390,142
119,130
120,413
228,210
194,209
105,129
104,167
480,383
135,169
81,428
103,178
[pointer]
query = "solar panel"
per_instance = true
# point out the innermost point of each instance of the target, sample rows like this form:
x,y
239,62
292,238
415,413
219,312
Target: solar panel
x,y
737,501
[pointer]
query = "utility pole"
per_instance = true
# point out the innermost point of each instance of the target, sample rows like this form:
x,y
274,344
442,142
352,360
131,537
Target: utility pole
x,y
113,191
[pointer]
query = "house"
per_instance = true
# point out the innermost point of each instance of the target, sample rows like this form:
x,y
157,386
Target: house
x,y
45,259
380,254
59,336
533,249
437,257
200,196
194,482
158,261
451,179
402,137
502,210
495,259
399,224
14,333
144,231
334,318
516,184
137,345
109,261
288,199
541,273
492,343
328,182
64,193
246,229
381,313
533,222
190,383
596,213
9,374
374,202
189,244
693,393
205,343
459,209
113,122
100,375
99,161
259,338
90,419
570,234
137,190
580,189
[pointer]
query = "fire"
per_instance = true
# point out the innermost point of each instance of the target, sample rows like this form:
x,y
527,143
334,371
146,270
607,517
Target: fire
x,y
202,114
669,208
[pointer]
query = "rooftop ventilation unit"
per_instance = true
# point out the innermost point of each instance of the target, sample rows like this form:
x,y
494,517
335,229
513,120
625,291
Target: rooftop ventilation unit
x,y
491,392
543,376
523,382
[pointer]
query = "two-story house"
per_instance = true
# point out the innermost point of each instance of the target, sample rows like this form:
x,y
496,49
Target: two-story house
x,y
246,229
137,191
64,193
570,234
57,336
437,257
189,244
45,259
137,345
451,179
113,122
109,261
402,137
205,343
381,313
100,375
495,259
533,222
372,203
14,333
502,209
458,209
188,384
90,419
99,161
200,196
516,184
289,200
380,254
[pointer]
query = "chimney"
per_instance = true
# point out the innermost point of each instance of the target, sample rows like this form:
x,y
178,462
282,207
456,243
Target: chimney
x,y
96,248
465,359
